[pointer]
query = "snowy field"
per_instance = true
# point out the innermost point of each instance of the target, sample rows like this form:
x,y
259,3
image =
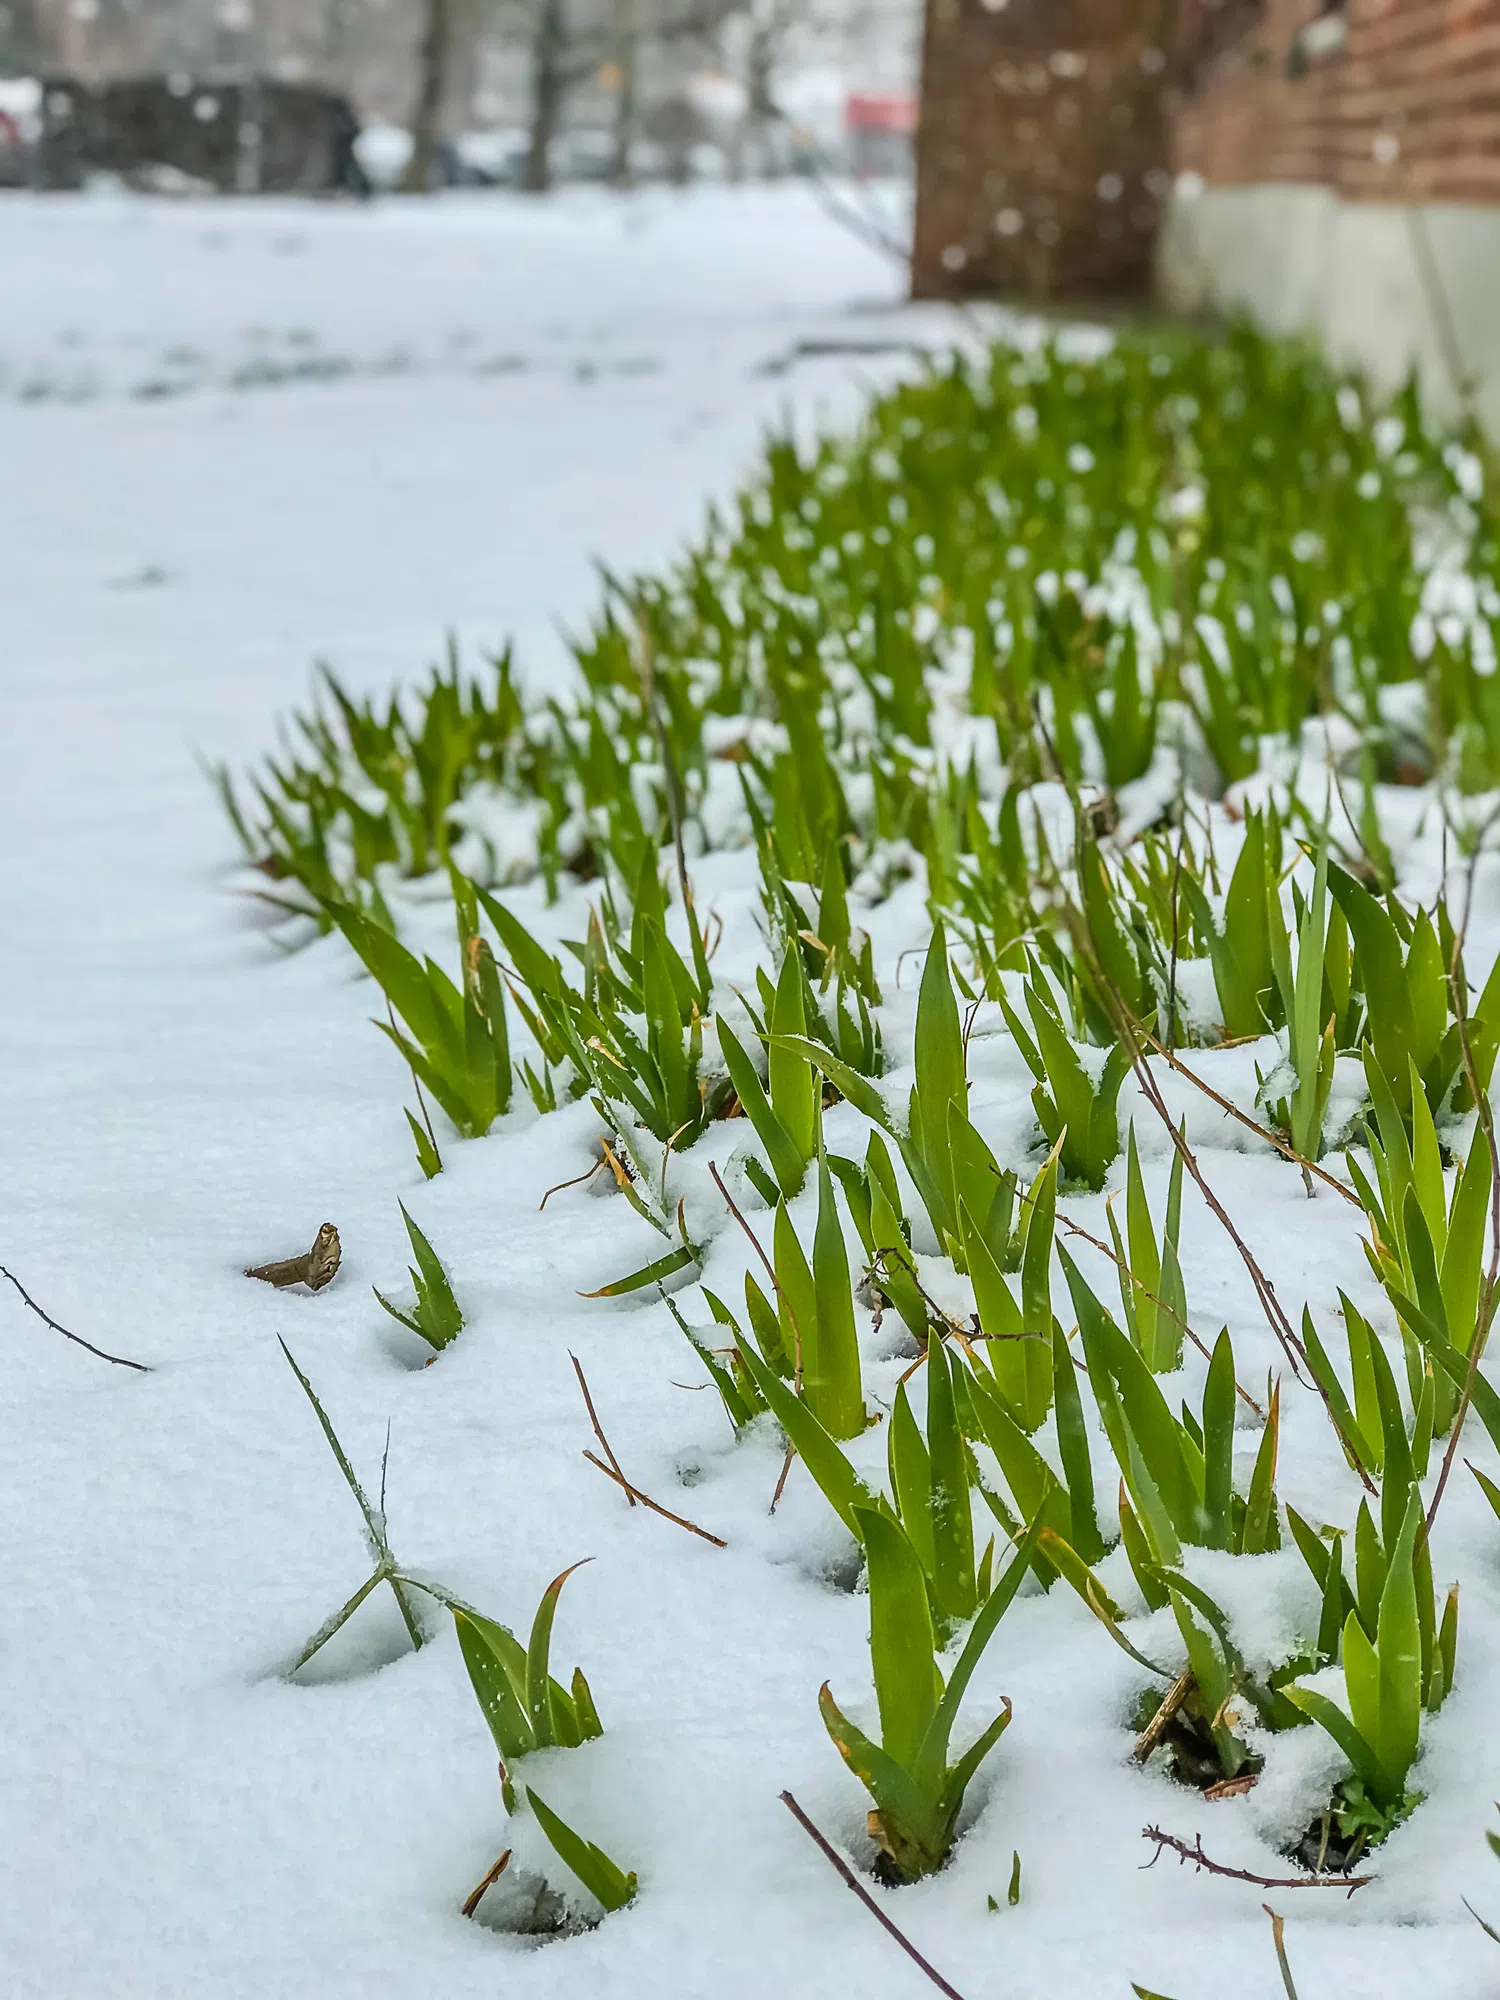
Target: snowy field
x,y
237,441
512,393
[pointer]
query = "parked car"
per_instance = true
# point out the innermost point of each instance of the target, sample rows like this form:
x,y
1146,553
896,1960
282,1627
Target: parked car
x,y
226,134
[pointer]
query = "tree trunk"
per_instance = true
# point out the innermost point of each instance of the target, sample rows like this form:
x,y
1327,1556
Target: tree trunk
x,y
760,106
547,85
432,83
627,104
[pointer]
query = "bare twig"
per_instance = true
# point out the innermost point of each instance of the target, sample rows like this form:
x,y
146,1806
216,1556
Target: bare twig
x,y
1283,1146
867,224
1132,1035
852,1881
588,1404
943,1322
476,1895
1077,1229
634,1494
1199,1859
577,1181
612,1471
141,1367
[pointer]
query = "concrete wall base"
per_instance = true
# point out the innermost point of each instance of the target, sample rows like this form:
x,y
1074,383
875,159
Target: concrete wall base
x,y
1298,259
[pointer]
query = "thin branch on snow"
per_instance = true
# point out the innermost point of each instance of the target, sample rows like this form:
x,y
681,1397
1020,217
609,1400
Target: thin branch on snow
x,y
634,1494
588,1404
1283,1146
1199,1859
612,1471
141,1367
1077,1229
852,1881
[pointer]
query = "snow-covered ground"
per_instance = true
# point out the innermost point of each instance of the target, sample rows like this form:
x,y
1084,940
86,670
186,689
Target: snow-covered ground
x,y
236,440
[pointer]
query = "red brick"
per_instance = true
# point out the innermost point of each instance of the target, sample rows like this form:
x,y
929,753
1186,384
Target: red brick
x,y
1425,73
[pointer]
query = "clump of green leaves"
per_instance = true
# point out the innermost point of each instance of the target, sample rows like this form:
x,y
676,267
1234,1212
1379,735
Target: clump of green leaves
x,y
940,1091
1178,1473
1202,1732
1395,1664
1427,1248
1401,966
1017,1334
810,1334
1153,1297
918,1794
1076,1109
1245,940
1398,1650
875,1207
455,1040
436,1317
1061,1508
526,1709
784,1110
1322,955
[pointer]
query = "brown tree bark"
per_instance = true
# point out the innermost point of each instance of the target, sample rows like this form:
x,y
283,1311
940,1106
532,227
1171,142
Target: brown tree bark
x,y
548,83
433,56
627,57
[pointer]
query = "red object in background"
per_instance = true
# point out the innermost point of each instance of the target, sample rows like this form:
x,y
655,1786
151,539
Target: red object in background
x,y
880,111
10,132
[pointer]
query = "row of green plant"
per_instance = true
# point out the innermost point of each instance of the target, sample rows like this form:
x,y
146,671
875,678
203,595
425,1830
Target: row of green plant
x,y
1173,545
994,1381
1011,642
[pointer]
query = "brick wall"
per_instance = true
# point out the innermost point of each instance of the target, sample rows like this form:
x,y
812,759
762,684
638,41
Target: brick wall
x,y
1406,108
1041,148
1046,124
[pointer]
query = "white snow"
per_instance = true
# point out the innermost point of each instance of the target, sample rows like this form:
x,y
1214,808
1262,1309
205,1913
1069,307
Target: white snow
x,y
178,1101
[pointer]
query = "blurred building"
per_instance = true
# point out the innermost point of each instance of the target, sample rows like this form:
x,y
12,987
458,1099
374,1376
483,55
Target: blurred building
x,y
1331,166
1338,172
